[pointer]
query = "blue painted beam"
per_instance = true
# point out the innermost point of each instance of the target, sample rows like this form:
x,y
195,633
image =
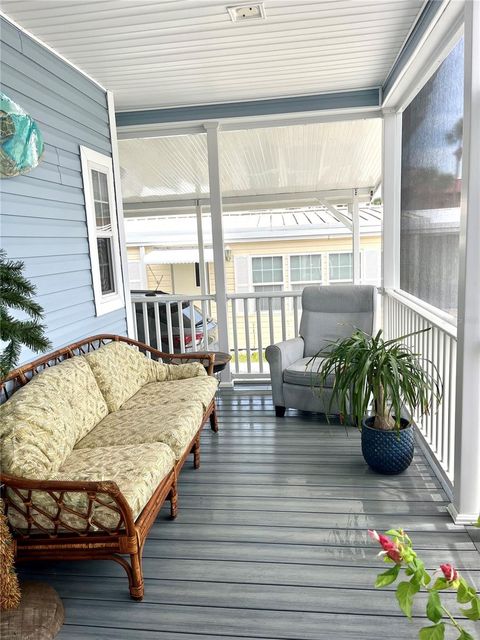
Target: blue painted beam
x,y
296,104
429,13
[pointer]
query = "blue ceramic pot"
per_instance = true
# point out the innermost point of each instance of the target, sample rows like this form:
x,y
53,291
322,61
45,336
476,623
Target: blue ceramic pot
x,y
388,452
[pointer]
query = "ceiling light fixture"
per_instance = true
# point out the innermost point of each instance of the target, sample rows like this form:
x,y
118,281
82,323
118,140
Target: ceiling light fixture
x,y
247,12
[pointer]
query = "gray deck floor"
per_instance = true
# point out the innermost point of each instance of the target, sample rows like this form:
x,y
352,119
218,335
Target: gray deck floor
x,y
271,540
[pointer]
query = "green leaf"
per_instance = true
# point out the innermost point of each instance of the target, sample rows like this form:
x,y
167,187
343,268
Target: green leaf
x,y
405,593
436,632
474,612
434,607
387,577
464,635
440,583
465,593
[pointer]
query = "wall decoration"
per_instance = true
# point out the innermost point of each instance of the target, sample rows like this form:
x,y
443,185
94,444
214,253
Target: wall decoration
x,y
21,142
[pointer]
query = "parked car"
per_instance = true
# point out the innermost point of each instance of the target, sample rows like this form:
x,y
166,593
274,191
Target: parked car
x,y
202,342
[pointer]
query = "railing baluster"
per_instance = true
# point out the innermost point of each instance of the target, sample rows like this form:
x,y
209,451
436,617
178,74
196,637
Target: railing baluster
x,y
168,306
295,317
181,326
193,328
259,336
270,321
247,334
135,326
146,328
205,325
235,337
284,322
158,333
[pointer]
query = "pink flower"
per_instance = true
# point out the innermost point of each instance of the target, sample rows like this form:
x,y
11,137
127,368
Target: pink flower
x,y
451,574
390,548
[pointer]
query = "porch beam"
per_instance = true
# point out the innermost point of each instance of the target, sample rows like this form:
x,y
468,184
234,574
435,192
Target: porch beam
x,y
466,501
216,214
338,215
357,99
336,195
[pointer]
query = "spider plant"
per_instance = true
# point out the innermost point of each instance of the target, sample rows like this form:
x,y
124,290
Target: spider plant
x,y
385,375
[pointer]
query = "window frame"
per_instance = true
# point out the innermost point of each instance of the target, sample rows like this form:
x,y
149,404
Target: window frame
x,y
268,284
304,283
104,302
340,280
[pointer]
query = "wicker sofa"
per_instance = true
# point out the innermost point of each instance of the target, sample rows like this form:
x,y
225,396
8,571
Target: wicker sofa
x,y
93,438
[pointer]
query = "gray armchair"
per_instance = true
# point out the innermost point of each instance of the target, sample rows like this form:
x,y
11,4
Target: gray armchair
x,y
328,313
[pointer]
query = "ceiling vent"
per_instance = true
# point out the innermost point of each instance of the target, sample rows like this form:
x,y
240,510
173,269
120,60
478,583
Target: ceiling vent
x,y
247,12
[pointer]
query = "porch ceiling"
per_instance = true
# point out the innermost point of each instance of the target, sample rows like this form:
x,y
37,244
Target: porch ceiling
x,y
177,53
296,159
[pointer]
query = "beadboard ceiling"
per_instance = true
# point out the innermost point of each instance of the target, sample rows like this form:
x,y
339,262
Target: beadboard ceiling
x,y
277,160
163,53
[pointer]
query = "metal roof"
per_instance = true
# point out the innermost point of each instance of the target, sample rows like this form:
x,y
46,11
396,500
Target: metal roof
x,y
159,53
271,160
180,230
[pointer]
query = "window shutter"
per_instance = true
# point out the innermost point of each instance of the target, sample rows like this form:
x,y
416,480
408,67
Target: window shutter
x,y
134,275
371,266
243,281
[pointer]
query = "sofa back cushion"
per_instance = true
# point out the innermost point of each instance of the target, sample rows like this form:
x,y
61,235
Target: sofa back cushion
x,y
42,421
121,370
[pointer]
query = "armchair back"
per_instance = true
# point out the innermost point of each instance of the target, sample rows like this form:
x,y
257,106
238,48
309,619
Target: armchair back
x,y
333,312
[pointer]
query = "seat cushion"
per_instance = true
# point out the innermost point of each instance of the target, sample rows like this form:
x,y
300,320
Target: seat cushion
x,y
43,420
304,372
201,388
174,424
137,470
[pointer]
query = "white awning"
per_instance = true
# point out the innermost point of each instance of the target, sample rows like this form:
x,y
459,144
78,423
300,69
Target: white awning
x,y
177,256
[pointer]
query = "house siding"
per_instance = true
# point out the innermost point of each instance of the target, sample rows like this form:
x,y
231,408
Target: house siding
x,y
43,217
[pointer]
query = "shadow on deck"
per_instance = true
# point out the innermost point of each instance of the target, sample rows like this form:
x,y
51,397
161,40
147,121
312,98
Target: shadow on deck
x,y
270,542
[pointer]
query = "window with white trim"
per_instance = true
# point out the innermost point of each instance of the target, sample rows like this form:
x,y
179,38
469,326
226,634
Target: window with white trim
x,y
340,267
267,276
305,269
102,226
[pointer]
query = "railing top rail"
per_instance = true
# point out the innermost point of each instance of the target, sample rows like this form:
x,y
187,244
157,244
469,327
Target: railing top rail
x,y
171,298
435,317
263,294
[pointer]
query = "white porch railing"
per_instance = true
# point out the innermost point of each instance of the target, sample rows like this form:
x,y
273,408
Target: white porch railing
x,y
165,322
256,320
403,315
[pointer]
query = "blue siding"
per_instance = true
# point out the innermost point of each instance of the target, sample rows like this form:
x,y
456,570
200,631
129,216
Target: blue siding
x,y
43,218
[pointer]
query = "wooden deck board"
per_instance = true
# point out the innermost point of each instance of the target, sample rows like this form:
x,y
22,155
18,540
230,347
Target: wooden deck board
x,y
270,542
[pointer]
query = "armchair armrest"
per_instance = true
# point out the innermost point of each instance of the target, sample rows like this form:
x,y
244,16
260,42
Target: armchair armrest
x,y
279,357
24,498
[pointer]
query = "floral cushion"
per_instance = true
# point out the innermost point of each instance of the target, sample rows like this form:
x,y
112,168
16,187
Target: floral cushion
x,y
137,470
121,370
200,388
172,423
43,420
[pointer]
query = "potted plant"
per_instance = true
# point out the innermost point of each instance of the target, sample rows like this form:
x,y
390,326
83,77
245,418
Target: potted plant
x,y
376,383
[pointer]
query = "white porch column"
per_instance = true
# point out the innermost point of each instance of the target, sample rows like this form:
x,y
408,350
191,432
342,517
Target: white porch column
x,y
466,500
217,239
392,164
391,186
355,238
201,249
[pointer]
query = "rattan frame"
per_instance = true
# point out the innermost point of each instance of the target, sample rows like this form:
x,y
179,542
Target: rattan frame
x,y
125,543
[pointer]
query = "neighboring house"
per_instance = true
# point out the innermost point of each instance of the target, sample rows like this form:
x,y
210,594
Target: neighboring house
x,y
266,251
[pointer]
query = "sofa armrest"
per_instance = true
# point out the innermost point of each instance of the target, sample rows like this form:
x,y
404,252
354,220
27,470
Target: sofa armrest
x,y
22,496
279,357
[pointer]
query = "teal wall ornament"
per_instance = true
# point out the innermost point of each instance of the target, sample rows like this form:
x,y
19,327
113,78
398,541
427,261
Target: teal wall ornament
x,y
21,141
